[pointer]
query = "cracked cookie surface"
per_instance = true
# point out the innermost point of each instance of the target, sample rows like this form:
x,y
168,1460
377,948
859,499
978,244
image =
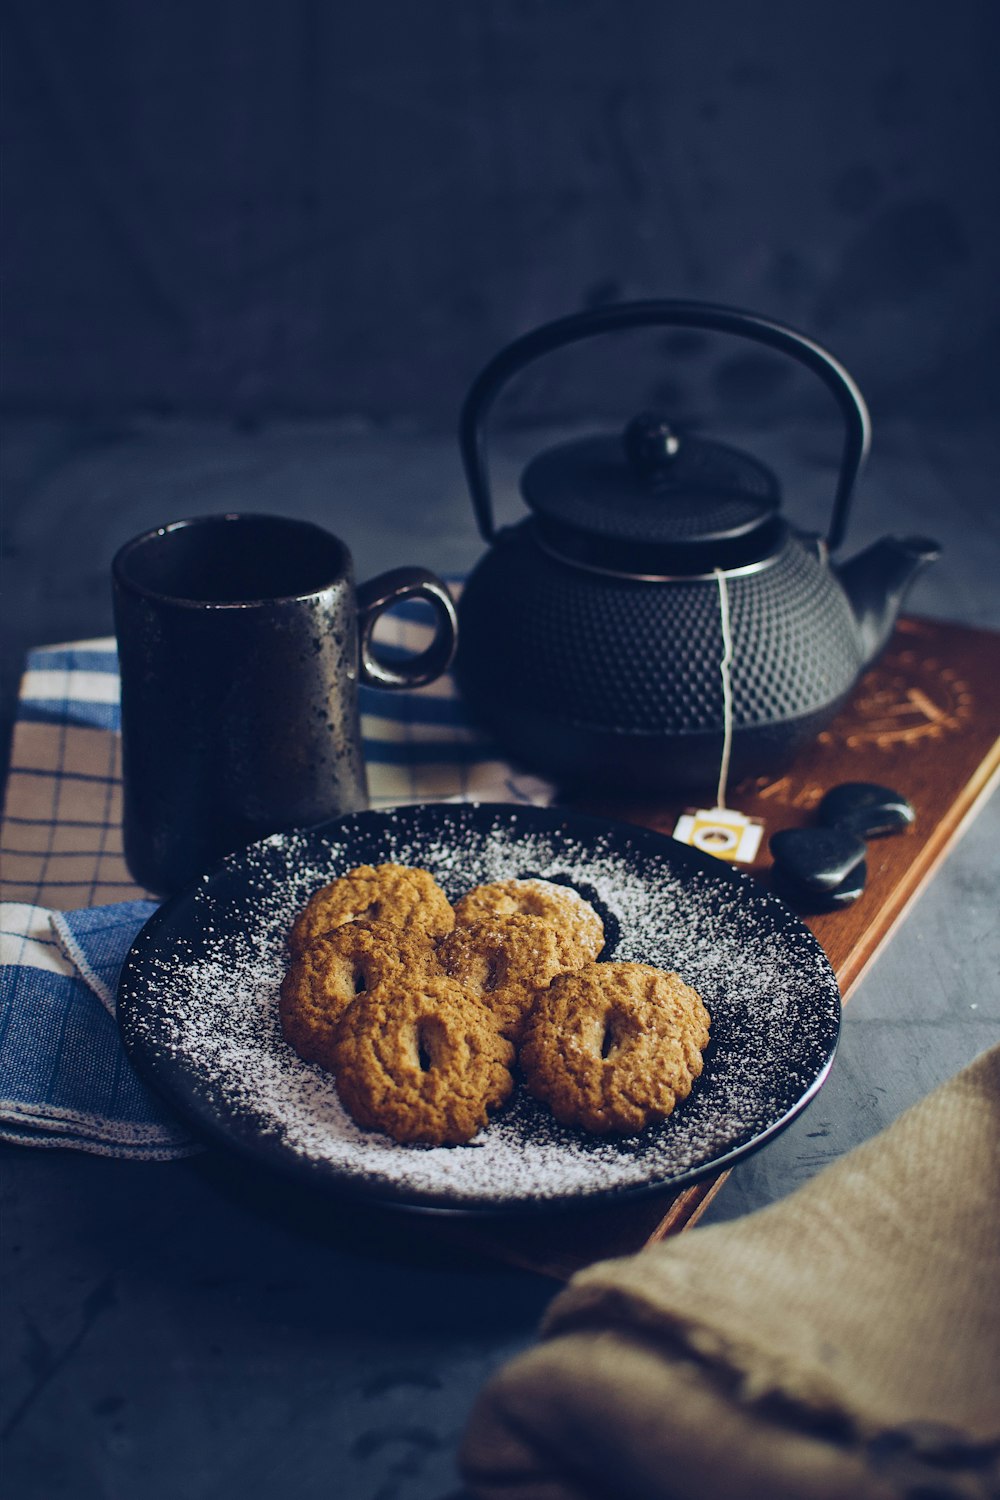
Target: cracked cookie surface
x,y
505,961
422,1061
613,1047
328,974
401,895
560,905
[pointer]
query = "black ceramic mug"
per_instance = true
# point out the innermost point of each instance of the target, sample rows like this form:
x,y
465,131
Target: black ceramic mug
x,y
241,641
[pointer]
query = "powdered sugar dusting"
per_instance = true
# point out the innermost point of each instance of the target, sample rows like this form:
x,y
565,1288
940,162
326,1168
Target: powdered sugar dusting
x,y
198,1005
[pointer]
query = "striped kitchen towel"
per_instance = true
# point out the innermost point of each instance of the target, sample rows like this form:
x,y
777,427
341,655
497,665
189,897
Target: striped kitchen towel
x,y
69,909
64,1077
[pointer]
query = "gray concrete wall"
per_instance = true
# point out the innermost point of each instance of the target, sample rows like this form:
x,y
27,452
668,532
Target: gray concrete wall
x,y
248,207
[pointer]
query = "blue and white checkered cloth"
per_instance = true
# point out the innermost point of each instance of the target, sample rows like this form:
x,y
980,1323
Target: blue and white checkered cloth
x,y
64,1077
69,910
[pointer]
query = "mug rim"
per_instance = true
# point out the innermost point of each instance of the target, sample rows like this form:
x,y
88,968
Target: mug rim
x,y
121,576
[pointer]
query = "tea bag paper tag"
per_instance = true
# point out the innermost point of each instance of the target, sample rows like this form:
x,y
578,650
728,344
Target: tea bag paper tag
x,y
720,831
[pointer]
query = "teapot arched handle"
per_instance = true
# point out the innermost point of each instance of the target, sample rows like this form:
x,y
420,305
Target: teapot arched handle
x,y
675,314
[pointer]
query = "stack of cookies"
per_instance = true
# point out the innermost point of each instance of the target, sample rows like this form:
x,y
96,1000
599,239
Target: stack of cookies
x,y
424,1011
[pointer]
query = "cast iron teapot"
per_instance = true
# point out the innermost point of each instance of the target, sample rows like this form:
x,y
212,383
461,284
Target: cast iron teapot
x,y
656,610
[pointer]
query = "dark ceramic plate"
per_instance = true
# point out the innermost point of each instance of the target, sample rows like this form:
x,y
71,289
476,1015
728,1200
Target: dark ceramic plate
x,y
198,997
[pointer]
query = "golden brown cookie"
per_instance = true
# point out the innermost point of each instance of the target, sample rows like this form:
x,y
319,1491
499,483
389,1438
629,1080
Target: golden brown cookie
x,y
559,905
614,1046
505,961
328,974
398,894
422,1061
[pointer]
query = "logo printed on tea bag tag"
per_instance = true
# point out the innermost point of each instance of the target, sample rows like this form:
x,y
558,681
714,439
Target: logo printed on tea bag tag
x,y
721,831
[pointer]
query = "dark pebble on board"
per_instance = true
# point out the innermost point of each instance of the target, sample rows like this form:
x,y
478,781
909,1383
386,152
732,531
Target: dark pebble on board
x,y
820,858
809,902
866,809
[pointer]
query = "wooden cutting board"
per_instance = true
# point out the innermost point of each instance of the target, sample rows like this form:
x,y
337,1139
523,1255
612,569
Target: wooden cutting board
x,y
926,721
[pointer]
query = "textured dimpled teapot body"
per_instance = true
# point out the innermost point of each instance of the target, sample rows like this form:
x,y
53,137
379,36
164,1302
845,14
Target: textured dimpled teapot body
x,y
588,675
657,619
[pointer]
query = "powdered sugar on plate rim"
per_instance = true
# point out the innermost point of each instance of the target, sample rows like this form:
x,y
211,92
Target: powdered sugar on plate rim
x,y
198,997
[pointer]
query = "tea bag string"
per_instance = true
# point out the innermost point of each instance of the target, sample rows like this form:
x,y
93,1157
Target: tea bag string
x,y
727,687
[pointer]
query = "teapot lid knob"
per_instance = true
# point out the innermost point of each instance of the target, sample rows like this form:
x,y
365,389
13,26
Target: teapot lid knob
x,y
651,444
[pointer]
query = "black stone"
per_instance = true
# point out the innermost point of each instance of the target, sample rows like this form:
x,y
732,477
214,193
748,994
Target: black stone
x,y
820,858
810,902
866,809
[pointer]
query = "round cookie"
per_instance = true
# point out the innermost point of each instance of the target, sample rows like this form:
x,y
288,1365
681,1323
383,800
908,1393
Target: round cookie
x,y
505,961
557,904
422,1061
328,974
397,894
613,1047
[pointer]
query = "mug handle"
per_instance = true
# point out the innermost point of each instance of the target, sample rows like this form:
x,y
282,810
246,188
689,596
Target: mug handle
x,y
380,594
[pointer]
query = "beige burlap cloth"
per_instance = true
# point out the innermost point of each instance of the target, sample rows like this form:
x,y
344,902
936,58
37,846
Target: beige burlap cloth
x,y
844,1342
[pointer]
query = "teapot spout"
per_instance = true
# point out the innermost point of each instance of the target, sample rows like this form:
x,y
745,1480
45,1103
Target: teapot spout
x,y
877,581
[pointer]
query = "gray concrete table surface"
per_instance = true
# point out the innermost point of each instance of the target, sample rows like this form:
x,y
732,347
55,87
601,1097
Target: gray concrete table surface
x,y
183,1330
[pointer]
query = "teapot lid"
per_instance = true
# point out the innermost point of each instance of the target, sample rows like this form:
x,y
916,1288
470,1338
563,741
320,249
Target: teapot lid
x,y
691,500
